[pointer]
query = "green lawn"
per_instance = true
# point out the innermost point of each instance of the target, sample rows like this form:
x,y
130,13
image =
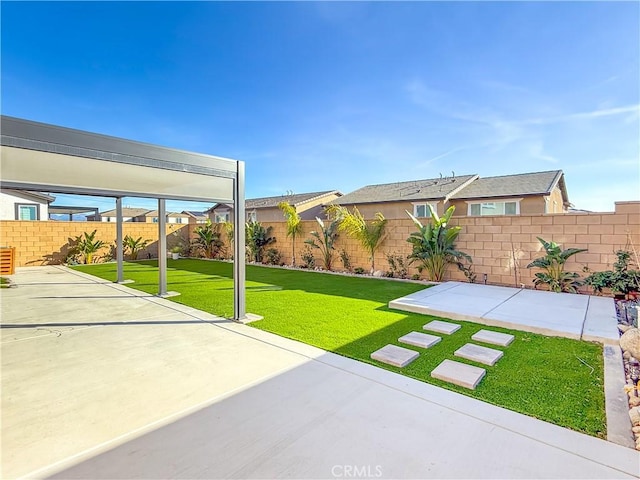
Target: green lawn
x,y
555,379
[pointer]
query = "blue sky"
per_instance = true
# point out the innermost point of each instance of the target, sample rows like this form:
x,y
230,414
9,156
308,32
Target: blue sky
x,y
323,96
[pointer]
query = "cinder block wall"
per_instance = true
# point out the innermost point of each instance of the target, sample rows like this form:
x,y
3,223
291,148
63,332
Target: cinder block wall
x,y
47,242
500,246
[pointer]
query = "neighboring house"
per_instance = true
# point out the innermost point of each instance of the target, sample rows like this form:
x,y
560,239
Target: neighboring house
x,y
151,216
526,193
128,215
392,199
308,206
196,217
24,205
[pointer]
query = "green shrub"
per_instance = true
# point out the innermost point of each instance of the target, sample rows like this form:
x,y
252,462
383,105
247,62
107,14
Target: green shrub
x,y
552,264
397,264
273,257
308,260
434,244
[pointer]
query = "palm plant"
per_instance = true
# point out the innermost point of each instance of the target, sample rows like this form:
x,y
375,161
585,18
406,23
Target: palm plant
x,y
369,234
434,244
294,226
208,240
257,237
134,246
552,264
87,245
323,240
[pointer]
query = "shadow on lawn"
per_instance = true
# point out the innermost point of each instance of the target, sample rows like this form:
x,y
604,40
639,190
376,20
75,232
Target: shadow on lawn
x,y
374,289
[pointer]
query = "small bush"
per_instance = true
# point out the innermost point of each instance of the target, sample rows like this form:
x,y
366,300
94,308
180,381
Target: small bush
x,y
415,276
273,257
358,271
397,264
346,260
308,260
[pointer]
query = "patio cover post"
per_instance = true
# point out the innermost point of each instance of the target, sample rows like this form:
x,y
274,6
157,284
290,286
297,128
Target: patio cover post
x,y
162,248
239,307
119,249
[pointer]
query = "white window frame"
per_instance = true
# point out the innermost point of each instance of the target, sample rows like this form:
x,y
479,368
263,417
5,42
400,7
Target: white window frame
x,y
503,200
220,216
434,205
30,205
252,216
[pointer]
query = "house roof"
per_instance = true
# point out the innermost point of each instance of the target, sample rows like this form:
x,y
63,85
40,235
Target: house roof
x,y
154,213
271,202
126,212
295,200
523,184
427,189
43,197
196,215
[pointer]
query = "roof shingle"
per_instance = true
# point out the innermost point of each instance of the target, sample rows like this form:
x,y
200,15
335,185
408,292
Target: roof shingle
x,y
537,183
428,189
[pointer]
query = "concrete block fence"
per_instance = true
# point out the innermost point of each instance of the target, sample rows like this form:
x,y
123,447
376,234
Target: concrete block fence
x,y
500,246
48,242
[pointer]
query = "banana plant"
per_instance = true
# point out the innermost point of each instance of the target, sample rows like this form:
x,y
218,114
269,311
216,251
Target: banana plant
x,y
552,264
208,240
257,237
134,246
434,244
87,245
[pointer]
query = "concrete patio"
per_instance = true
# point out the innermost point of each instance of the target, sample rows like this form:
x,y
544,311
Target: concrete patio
x,y
102,381
583,317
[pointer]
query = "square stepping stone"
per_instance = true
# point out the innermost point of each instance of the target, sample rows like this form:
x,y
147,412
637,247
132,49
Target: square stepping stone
x,y
442,327
476,353
394,355
494,338
418,339
458,373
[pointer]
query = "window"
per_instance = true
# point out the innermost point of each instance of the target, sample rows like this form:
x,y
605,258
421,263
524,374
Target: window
x,y
27,212
511,207
179,220
221,216
251,216
155,220
421,210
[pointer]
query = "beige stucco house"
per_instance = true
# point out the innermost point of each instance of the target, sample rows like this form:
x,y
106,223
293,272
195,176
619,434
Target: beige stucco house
x,y
526,193
151,216
265,209
24,205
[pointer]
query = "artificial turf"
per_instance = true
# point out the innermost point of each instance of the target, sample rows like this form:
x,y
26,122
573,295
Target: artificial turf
x,y
554,379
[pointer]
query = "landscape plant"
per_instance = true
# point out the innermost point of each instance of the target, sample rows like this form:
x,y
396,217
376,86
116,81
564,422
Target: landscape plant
x,y
370,234
134,246
433,245
208,240
257,238
552,266
273,257
323,240
308,259
621,280
294,226
87,245
398,266
345,258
